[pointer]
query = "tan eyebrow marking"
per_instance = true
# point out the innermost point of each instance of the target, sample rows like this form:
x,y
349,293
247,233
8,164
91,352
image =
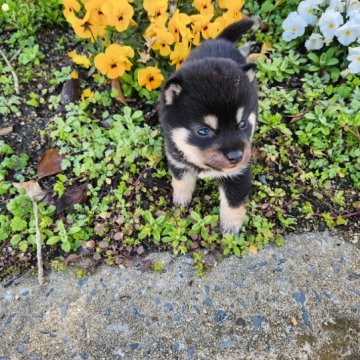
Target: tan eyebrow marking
x,y
212,121
252,121
239,114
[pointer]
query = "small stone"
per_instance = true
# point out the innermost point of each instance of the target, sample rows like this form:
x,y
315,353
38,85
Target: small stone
x,y
120,353
257,320
220,316
169,306
208,302
190,353
26,339
217,288
226,344
20,349
84,355
25,292
134,346
240,322
178,346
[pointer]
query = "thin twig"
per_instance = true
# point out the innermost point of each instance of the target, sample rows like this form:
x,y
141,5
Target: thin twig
x,y
38,243
351,215
13,73
15,55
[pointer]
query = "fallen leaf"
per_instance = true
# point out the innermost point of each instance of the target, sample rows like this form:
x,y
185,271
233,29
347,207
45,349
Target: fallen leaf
x,y
32,189
76,195
356,205
6,130
115,83
50,163
293,321
144,57
252,249
118,236
70,92
253,58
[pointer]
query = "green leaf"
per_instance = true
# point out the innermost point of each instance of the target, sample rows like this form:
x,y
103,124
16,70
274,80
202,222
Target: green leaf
x,y
18,224
53,240
66,246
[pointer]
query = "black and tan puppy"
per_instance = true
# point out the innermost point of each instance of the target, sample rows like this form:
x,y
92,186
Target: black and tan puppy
x,y
208,115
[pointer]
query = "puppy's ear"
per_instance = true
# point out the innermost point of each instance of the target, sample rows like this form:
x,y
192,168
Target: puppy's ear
x,y
249,70
172,90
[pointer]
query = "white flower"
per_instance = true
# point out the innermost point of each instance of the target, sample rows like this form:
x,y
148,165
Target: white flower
x,y
353,11
329,23
354,52
337,5
354,57
315,42
348,33
5,7
306,10
294,26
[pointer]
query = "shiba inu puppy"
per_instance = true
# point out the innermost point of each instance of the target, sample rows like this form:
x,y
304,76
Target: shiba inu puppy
x,y
208,114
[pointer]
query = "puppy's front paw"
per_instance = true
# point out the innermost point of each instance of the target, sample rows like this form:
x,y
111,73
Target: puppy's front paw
x,y
231,219
230,228
182,198
183,189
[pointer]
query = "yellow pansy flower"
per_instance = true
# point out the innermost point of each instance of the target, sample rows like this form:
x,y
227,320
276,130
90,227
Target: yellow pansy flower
x,y
180,53
94,7
150,77
205,7
87,94
155,8
86,28
114,61
79,59
119,13
70,7
177,25
201,24
163,39
231,4
232,15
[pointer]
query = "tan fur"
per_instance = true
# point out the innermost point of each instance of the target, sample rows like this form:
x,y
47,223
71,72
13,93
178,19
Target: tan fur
x,y
183,189
171,92
212,121
252,121
239,114
231,219
191,153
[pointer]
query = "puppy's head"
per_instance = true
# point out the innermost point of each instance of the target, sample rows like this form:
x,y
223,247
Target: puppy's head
x,y
208,113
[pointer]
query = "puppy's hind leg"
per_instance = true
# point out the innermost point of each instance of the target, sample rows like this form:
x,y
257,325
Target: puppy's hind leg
x,y
183,184
233,197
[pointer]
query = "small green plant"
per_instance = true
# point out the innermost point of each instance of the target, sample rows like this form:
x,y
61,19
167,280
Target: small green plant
x,y
326,63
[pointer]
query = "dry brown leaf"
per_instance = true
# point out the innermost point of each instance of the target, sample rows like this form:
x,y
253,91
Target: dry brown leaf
x,y
50,163
144,57
115,83
253,58
252,249
76,195
6,130
266,47
32,189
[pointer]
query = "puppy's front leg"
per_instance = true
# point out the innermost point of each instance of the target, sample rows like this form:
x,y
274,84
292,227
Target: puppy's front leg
x,y
183,184
233,196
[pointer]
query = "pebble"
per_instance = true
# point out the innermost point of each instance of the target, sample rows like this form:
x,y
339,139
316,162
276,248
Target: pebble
x,y
226,344
120,353
190,353
119,328
217,288
299,297
178,346
84,355
20,349
220,316
257,320
133,346
25,292
169,306
208,302
26,339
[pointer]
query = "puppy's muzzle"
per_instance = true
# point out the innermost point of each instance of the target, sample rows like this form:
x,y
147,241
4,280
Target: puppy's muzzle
x,y
234,156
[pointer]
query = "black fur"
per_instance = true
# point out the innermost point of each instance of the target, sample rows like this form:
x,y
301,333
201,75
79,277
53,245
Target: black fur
x,y
212,81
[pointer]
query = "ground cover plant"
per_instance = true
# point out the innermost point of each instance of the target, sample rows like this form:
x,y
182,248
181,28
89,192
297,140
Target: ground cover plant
x,y
79,134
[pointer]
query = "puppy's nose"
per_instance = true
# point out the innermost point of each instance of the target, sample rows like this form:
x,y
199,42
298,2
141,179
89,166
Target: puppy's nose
x,y
234,156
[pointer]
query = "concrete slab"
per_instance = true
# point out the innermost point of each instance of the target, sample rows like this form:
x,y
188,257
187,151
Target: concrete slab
x,y
300,301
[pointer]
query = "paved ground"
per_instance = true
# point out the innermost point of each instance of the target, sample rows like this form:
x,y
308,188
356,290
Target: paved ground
x,y
301,301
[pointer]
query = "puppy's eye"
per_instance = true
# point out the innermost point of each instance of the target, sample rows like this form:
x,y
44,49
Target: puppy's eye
x,y
203,131
242,124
